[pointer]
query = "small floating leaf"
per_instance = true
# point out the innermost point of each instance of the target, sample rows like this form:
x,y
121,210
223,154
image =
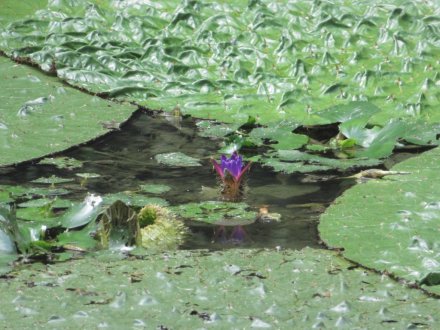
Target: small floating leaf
x,y
177,159
62,162
52,180
133,199
88,175
219,213
41,202
154,188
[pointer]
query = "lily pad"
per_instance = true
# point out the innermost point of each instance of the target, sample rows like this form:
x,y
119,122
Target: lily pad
x,y
82,213
291,161
81,239
218,213
308,62
43,214
7,244
133,199
45,192
88,175
40,202
389,224
52,180
238,287
154,188
62,162
177,159
41,116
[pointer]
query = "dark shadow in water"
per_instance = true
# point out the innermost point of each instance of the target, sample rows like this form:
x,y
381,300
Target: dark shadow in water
x,y
125,159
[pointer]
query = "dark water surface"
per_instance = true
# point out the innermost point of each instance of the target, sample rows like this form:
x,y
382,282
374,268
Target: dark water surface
x,y
125,159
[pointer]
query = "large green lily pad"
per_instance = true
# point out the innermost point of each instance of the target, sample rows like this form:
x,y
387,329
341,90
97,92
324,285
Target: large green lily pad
x,y
231,289
362,62
40,115
392,224
13,10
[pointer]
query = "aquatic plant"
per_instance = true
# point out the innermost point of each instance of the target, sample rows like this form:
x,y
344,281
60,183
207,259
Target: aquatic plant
x,y
231,171
160,230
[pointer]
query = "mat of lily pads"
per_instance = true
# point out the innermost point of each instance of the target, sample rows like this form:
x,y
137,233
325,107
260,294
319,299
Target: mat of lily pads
x,y
392,224
368,66
229,290
40,115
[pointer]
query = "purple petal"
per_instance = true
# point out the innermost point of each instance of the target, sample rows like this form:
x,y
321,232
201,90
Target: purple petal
x,y
218,168
239,176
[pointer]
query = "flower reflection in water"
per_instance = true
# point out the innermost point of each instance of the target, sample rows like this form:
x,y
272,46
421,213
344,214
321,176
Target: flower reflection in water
x,y
226,235
231,172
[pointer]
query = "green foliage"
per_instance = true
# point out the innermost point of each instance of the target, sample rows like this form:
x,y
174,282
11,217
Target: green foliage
x,y
40,115
159,228
215,212
391,224
237,288
313,63
119,227
147,215
62,162
13,10
156,189
177,159
133,199
82,213
52,180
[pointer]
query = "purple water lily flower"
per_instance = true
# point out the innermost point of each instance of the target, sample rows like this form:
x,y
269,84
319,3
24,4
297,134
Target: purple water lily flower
x,y
231,171
233,166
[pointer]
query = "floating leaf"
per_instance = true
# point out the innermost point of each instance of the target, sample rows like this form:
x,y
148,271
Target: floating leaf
x,y
7,243
154,188
133,199
219,213
338,293
43,214
177,159
307,62
52,180
389,224
62,162
82,213
47,124
88,175
40,202
78,238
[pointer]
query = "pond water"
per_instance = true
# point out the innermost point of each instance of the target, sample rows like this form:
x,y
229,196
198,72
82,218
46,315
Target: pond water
x,y
125,160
